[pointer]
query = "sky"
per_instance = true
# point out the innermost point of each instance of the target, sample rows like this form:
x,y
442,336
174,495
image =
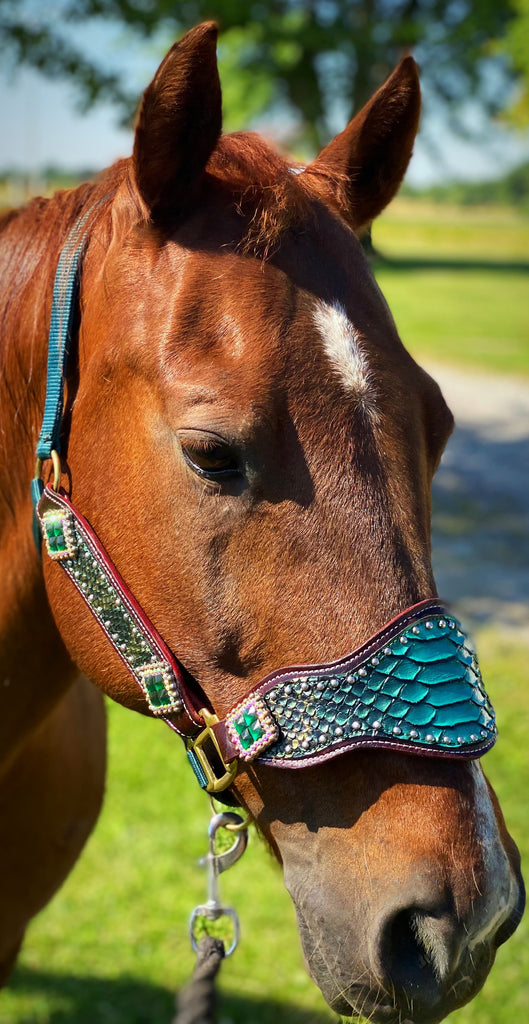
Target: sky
x,y
41,126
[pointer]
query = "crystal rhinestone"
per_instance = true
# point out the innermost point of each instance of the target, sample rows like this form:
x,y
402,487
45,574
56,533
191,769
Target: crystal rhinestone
x,y
356,725
320,686
305,744
415,629
484,733
429,624
377,725
441,623
288,749
451,624
338,731
375,661
288,690
396,730
107,623
429,738
123,647
446,739
387,650
414,735
460,739
334,684
362,672
473,737
350,678
322,738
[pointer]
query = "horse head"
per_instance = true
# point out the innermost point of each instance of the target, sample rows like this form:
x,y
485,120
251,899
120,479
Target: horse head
x,y
255,448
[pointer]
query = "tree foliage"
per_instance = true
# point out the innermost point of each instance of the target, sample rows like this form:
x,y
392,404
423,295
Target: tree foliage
x,y
516,46
309,63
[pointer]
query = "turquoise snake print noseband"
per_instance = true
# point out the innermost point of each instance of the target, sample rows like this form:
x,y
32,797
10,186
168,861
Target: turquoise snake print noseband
x,y
416,685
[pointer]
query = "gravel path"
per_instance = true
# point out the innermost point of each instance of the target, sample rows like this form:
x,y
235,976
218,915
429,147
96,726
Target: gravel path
x,y
481,500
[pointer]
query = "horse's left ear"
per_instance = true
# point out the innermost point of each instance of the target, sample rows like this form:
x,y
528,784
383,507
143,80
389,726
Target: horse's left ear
x,y
369,158
179,124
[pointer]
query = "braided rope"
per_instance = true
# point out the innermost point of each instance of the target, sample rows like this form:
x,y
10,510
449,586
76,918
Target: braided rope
x,y
197,1002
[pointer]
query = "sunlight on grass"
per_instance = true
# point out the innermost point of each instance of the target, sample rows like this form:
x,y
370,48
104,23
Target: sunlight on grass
x,y
457,283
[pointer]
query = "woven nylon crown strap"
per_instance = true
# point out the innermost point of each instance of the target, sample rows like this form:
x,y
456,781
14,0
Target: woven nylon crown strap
x,y
61,323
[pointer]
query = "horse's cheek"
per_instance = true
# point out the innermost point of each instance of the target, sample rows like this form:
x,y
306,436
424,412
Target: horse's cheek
x,y
85,641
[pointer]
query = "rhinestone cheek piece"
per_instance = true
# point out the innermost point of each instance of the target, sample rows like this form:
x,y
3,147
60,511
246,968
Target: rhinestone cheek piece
x,y
59,535
251,728
159,686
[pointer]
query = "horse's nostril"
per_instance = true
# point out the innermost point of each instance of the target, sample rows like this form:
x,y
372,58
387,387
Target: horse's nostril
x,y
418,953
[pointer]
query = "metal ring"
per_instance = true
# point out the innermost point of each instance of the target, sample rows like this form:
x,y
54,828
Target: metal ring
x,y
244,823
56,460
56,463
202,911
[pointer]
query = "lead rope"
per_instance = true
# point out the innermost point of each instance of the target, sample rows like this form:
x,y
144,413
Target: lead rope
x,y
197,1003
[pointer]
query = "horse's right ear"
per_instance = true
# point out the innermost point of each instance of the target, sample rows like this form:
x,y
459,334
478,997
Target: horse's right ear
x,y
179,124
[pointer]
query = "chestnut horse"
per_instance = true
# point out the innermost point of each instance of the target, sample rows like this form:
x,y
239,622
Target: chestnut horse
x,y
255,448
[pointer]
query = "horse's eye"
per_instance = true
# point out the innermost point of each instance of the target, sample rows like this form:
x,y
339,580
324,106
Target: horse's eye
x,y
210,457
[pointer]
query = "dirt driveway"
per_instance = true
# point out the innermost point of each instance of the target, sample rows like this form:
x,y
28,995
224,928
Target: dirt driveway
x,y
481,500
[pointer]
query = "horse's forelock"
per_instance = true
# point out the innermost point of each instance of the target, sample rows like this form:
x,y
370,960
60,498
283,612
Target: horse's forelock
x,y
272,195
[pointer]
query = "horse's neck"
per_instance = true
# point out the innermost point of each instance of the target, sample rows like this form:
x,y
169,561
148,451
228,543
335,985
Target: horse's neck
x,y
30,243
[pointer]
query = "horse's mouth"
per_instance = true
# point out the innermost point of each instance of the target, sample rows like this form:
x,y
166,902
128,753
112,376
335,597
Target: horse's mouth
x,y
379,1006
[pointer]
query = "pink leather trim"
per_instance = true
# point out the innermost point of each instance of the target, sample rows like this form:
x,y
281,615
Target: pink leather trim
x,y
401,746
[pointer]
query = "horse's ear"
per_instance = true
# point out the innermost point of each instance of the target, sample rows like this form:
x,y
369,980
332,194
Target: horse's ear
x,y
179,124
369,158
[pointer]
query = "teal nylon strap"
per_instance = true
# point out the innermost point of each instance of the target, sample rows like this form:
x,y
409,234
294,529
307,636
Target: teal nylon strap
x,y
62,317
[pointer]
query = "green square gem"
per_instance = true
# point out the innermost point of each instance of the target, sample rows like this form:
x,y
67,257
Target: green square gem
x,y
55,534
243,732
158,695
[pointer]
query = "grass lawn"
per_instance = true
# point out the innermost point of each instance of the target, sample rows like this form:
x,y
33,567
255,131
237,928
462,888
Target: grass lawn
x,y
457,282
112,947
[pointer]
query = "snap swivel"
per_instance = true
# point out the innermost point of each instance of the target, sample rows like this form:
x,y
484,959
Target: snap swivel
x,y
216,863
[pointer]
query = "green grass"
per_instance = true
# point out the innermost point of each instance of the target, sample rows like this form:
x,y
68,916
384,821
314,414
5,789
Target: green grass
x,y
112,947
457,282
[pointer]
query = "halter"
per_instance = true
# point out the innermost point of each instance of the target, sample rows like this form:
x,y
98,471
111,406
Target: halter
x,y
415,686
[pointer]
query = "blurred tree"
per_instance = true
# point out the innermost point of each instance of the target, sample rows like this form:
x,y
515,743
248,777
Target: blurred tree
x,y
307,63
516,46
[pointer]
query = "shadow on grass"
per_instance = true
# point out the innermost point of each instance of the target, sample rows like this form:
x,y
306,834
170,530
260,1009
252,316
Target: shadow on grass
x,y
93,1000
381,262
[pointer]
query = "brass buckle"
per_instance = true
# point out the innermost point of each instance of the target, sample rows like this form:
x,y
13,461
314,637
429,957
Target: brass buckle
x,y
215,783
